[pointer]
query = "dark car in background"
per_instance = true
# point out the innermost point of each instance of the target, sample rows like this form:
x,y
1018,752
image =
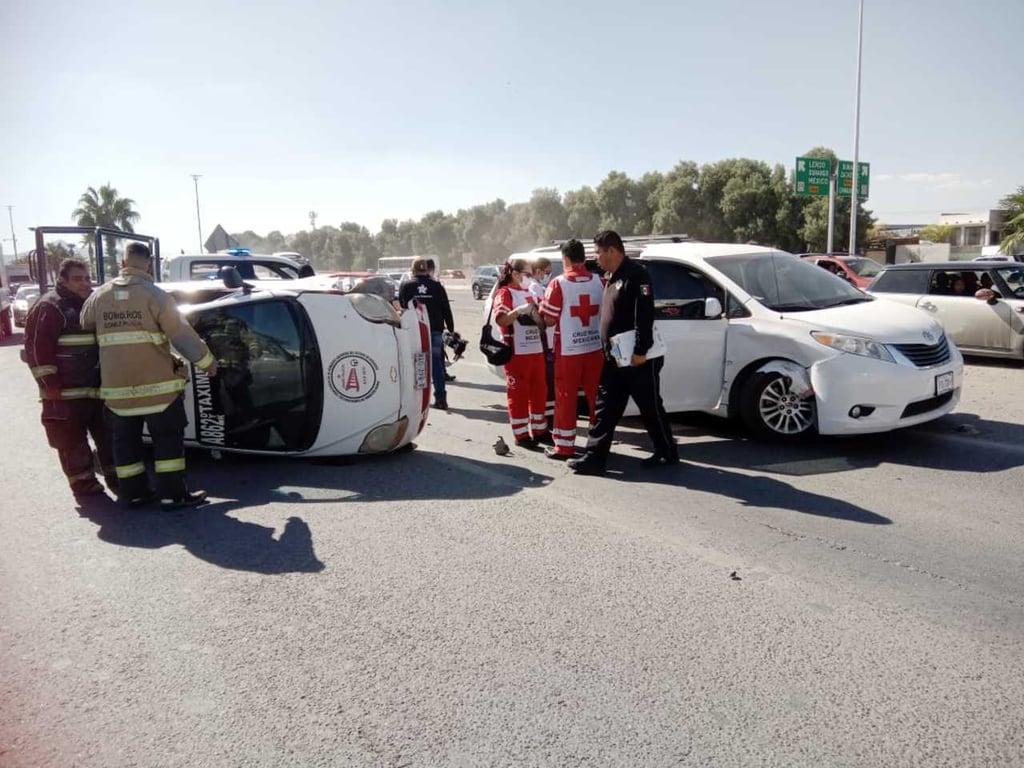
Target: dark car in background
x,y
483,280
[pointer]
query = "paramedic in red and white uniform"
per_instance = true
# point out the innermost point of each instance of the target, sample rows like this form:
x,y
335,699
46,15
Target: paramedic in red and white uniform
x,y
515,311
572,304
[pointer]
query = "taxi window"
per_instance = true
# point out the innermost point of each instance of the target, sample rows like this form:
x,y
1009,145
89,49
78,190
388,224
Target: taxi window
x,y
268,390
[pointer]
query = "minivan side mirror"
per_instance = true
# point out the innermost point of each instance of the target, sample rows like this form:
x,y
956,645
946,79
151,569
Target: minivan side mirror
x,y
712,307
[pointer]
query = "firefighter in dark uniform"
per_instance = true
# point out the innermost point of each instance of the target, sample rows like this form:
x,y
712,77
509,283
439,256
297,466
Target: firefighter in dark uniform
x,y
64,360
627,305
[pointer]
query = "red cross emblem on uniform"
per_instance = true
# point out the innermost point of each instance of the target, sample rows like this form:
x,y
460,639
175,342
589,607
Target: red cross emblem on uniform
x,y
584,310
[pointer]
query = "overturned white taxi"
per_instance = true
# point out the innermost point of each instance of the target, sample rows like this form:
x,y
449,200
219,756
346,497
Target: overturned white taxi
x,y
305,370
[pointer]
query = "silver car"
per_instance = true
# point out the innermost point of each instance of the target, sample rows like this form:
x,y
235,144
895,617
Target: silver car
x,y
26,296
980,304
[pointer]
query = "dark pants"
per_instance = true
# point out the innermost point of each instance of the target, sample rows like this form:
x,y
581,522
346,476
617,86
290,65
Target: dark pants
x,y
617,385
167,431
437,366
68,425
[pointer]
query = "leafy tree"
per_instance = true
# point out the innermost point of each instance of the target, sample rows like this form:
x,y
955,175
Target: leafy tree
x,y
676,201
623,204
275,241
790,214
1013,222
584,214
436,233
548,218
56,252
748,203
938,233
106,208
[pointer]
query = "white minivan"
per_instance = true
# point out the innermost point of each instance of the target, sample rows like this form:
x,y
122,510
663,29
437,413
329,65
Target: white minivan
x,y
790,348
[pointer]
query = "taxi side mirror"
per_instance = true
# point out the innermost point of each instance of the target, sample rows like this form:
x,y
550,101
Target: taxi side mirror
x,y
233,280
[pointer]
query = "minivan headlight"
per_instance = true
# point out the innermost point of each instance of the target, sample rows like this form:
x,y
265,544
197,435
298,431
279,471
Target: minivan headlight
x,y
854,345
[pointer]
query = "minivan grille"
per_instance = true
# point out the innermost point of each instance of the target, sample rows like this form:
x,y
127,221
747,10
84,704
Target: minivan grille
x,y
924,406
926,355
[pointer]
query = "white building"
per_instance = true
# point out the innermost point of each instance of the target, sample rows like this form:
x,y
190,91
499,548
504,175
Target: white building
x,y
973,231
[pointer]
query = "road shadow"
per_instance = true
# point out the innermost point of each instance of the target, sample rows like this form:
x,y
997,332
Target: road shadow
x,y
237,483
751,491
958,442
495,414
208,533
992,362
497,387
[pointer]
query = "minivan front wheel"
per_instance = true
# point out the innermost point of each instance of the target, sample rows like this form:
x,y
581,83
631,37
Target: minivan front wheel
x,y
771,408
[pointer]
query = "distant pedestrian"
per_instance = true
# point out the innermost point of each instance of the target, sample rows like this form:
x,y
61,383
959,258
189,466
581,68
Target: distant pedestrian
x,y
515,311
136,323
572,305
429,293
64,360
627,306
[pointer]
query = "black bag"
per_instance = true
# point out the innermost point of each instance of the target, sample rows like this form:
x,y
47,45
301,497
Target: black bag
x,y
496,351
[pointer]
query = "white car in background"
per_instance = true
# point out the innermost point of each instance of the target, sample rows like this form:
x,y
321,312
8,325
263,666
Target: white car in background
x,y
789,348
305,369
24,300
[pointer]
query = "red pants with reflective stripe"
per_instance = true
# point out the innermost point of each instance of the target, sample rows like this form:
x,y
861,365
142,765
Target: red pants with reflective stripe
x,y
526,381
573,373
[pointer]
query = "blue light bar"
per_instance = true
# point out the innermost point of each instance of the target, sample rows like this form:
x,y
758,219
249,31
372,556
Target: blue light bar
x,y
237,251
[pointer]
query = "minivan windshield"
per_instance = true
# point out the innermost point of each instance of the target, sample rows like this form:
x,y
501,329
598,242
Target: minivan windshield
x,y
782,282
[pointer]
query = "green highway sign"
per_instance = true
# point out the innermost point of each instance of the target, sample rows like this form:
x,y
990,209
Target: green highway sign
x,y
844,185
812,176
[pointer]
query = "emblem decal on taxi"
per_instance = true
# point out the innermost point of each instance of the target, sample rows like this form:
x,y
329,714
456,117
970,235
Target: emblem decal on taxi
x,y
353,377
928,336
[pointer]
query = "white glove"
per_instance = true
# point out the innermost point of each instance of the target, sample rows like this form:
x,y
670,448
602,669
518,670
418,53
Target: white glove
x,y
524,309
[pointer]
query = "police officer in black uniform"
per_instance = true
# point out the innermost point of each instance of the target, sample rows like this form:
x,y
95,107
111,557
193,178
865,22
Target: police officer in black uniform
x,y
428,292
628,305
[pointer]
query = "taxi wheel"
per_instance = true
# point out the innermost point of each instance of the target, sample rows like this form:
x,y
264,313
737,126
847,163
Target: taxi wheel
x,y
771,409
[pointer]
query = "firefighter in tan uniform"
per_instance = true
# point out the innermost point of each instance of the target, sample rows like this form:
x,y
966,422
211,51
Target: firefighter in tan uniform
x,y
142,383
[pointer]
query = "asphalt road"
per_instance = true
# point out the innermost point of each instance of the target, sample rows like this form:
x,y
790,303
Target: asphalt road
x,y
450,607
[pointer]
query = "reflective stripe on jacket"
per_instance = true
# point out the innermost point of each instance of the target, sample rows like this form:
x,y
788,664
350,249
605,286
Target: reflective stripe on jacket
x,y
136,322
61,356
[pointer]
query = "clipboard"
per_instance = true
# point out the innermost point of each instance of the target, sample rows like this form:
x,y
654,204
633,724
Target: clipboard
x,y
622,345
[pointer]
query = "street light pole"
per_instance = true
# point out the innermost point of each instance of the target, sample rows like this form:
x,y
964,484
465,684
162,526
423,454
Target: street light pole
x,y
856,134
14,238
199,224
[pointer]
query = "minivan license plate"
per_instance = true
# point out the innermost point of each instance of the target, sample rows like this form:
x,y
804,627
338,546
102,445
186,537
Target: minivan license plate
x,y
420,365
944,383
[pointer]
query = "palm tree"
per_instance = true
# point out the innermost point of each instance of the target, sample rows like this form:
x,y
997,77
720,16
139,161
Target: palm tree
x,y
1013,222
106,209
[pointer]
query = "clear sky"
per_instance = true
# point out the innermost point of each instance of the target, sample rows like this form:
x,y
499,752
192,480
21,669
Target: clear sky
x,y
367,110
